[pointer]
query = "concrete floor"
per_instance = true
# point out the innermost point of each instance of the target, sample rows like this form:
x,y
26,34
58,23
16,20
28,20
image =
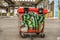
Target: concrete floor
x,y
9,29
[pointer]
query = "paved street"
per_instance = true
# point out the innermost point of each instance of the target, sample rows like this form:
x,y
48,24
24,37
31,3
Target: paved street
x,y
9,29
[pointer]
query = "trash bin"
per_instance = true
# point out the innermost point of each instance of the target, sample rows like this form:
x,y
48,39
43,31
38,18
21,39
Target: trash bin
x,y
31,20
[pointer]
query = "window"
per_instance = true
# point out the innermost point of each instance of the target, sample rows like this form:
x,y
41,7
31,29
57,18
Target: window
x,y
17,0
28,0
33,0
25,0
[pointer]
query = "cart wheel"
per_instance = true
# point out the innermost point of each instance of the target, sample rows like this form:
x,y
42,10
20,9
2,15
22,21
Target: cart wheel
x,y
42,35
37,33
22,35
